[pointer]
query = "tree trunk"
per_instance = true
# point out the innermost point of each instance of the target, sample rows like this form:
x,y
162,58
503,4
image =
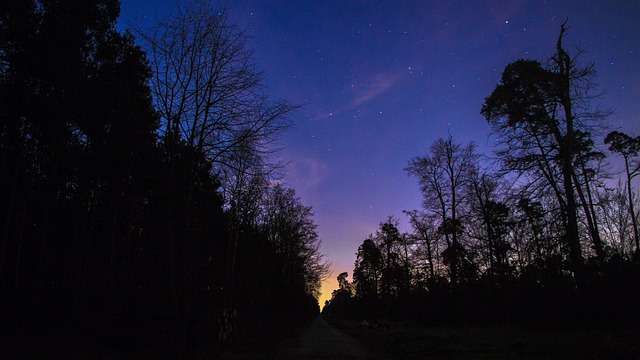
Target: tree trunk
x,y
634,220
591,220
567,156
571,231
430,256
454,260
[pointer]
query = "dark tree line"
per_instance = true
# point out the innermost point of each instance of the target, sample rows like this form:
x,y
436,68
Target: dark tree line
x,y
537,236
136,185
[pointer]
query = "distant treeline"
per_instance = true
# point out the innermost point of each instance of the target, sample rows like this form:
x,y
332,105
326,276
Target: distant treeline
x,y
535,234
136,184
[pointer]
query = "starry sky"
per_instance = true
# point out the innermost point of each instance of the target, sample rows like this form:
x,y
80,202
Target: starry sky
x,y
380,81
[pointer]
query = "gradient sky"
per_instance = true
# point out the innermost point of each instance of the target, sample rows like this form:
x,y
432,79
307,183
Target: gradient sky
x,y
379,81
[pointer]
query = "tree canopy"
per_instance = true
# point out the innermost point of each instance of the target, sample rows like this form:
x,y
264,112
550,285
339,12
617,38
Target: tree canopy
x,y
533,235
138,193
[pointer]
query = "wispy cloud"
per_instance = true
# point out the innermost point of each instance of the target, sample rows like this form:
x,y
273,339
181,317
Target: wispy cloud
x,y
307,174
366,91
377,86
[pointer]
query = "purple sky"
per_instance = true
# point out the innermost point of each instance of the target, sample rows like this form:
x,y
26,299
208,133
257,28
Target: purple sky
x,y
381,80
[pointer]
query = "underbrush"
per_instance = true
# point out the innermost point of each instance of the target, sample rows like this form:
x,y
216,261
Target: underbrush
x,y
408,341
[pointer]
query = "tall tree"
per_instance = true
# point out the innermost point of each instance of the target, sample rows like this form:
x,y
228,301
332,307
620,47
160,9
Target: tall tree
x,y
389,238
76,110
537,112
617,225
367,271
210,99
206,88
494,220
443,175
629,148
427,235
290,229
588,170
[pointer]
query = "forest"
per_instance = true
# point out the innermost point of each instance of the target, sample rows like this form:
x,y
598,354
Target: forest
x,y
140,204
537,234
142,207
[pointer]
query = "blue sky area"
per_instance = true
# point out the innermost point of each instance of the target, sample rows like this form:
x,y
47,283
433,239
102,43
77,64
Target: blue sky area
x,y
380,81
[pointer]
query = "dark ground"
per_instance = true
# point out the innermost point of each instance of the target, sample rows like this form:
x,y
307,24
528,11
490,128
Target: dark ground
x,y
407,341
344,339
323,341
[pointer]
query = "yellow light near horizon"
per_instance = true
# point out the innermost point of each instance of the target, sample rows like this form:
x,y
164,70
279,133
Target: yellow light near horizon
x,y
327,288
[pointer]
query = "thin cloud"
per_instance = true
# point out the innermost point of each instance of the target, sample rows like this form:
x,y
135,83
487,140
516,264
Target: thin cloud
x,y
366,92
307,174
380,84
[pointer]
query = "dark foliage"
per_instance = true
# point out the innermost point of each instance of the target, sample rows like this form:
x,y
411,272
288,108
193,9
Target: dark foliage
x,y
546,248
114,238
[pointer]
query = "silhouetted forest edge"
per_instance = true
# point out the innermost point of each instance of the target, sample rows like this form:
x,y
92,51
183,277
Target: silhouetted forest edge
x,y
141,209
142,213
535,236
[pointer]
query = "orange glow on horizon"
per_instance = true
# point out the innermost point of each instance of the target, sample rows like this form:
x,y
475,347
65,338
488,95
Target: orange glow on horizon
x,y
330,284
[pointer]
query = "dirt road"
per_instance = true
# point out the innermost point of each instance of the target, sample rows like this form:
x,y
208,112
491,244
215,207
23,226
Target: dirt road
x,y
323,341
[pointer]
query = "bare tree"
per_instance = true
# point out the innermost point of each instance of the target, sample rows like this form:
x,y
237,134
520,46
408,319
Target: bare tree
x,y
292,232
215,114
443,175
206,88
629,148
543,116
426,235
617,225
490,211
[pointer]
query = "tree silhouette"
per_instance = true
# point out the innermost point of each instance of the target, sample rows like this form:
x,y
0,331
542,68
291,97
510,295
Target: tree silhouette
x,y
534,111
77,111
210,98
426,234
367,272
129,203
628,147
443,176
512,237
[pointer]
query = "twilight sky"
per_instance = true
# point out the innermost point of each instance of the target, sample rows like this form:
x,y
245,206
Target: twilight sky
x,y
379,81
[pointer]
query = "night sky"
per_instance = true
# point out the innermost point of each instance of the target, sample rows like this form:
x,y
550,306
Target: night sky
x,y
379,81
